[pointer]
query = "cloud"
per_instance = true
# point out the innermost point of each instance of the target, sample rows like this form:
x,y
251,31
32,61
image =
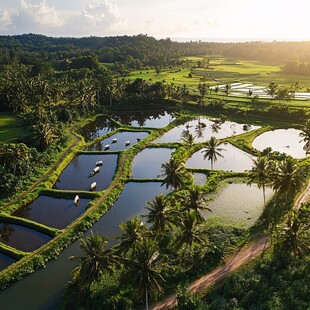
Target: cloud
x,y
102,19
6,19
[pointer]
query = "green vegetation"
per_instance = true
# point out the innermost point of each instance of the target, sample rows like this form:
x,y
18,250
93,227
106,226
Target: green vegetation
x,y
46,100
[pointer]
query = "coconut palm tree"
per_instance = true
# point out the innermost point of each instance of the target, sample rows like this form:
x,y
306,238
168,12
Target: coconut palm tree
x,y
160,215
227,89
212,150
173,172
190,232
287,177
260,174
194,200
133,232
144,269
305,134
294,236
96,259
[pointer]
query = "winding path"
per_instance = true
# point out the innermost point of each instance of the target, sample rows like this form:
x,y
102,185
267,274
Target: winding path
x,y
242,257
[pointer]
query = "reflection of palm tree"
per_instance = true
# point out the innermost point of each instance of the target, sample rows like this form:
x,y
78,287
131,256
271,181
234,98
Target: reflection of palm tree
x,y
260,174
5,232
144,269
188,138
287,177
194,200
294,236
212,151
305,134
173,172
160,215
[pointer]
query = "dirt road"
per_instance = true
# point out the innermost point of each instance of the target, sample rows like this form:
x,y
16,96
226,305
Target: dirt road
x,y
245,255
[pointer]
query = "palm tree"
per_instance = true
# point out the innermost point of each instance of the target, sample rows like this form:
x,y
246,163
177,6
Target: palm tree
x,y
287,177
96,259
294,237
133,232
227,89
160,215
173,172
194,200
212,151
272,89
260,174
144,269
305,134
190,232
188,138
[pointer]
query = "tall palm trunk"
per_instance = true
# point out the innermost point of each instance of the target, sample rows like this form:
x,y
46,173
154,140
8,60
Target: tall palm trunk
x,y
264,194
146,298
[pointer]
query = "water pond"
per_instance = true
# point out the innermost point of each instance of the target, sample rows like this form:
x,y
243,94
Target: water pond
x,y
285,141
122,137
147,164
239,204
153,119
53,212
76,176
203,129
6,261
49,283
200,178
21,238
233,159
101,126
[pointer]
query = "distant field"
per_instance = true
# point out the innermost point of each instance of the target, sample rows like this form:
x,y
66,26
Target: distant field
x,y
222,71
11,128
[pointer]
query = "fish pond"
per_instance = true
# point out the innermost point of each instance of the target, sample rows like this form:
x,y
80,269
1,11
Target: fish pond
x,y
21,238
53,212
6,261
285,141
101,126
49,283
239,203
204,128
147,164
233,159
153,119
77,175
117,142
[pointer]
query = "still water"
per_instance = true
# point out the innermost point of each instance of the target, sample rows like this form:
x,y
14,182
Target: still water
x,y
122,137
285,141
43,289
77,175
233,159
53,212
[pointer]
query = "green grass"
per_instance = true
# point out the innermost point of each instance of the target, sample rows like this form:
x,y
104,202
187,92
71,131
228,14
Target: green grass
x,y
11,128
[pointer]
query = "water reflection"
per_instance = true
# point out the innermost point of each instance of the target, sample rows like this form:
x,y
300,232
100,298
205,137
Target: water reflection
x,y
101,126
154,119
147,164
285,141
77,175
233,159
21,238
53,212
117,142
204,128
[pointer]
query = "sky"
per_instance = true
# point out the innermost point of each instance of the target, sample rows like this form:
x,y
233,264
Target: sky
x,y
208,20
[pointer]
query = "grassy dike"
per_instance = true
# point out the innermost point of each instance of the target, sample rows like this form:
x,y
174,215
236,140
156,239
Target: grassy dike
x,y
104,200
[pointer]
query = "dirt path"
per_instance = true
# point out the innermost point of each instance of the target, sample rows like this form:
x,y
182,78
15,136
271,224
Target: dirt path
x,y
245,255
